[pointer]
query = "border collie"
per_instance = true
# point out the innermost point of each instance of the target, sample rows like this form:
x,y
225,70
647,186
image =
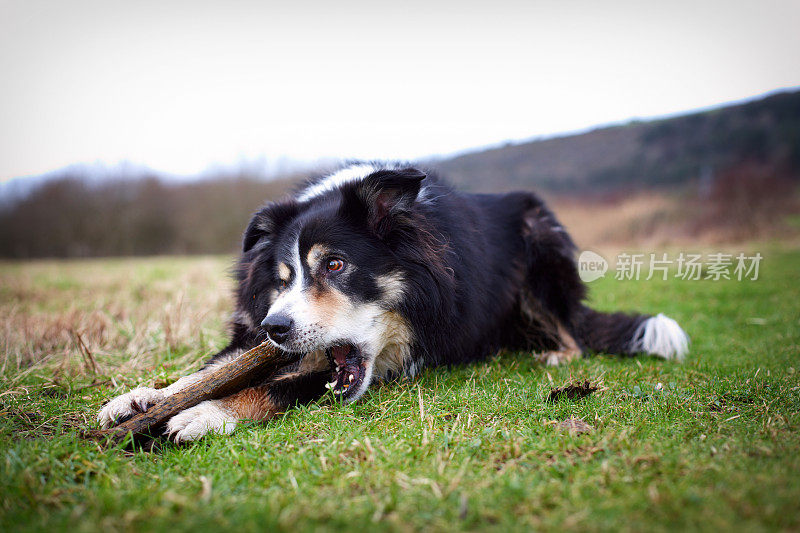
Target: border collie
x,y
377,271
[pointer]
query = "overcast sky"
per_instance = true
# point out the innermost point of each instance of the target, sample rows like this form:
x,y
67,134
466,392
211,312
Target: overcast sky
x,y
179,86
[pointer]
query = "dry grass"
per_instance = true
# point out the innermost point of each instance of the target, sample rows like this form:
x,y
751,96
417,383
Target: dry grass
x,y
596,223
650,219
64,319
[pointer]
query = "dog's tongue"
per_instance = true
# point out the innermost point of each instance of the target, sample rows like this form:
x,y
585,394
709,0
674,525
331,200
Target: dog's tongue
x,y
339,354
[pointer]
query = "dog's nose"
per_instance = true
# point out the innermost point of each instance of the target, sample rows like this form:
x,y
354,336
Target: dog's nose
x,y
278,327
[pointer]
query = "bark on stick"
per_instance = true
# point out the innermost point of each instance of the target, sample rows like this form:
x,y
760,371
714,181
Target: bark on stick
x,y
237,374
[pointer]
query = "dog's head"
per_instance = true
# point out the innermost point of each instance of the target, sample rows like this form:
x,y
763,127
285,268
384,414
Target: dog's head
x,y
321,275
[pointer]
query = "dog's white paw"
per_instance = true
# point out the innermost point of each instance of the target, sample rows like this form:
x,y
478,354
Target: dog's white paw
x,y
136,401
196,422
550,358
557,357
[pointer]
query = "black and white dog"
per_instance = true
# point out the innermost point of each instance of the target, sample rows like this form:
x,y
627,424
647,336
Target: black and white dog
x,y
377,271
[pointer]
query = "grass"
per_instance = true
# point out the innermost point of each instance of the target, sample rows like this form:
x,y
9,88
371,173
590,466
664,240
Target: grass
x,y
715,446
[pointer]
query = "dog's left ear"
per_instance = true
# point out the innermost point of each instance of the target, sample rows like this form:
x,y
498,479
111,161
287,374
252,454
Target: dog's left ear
x,y
383,196
266,221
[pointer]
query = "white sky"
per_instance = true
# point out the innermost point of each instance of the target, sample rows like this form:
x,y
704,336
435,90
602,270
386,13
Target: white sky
x,y
179,86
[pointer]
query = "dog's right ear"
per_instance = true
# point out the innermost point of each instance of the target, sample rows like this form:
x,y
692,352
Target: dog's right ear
x,y
381,198
266,221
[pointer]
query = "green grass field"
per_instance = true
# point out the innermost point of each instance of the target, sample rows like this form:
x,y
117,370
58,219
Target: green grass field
x,y
715,446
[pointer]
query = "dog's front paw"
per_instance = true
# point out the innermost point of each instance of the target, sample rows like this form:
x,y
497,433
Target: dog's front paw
x,y
195,422
126,405
557,357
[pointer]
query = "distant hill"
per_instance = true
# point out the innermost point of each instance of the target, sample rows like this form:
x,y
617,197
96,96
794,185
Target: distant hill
x,y
643,155
745,157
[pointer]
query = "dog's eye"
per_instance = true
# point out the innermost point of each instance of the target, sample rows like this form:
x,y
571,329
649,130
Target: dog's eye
x,y
335,265
282,284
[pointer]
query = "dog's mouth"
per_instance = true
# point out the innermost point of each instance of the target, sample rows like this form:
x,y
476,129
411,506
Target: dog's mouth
x,y
347,368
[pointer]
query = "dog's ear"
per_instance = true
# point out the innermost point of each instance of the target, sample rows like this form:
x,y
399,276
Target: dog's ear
x,y
266,222
382,196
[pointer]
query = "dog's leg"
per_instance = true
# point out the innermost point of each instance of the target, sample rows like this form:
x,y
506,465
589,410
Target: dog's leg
x,y
568,350
552,290
141,399
259,403
222,416
557,357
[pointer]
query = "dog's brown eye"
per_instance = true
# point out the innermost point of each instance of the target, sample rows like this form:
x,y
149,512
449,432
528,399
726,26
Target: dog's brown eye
x,y
282,283
335,265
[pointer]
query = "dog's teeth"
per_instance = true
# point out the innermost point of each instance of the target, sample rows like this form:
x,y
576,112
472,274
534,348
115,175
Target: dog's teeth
x,y
352,378
338,368
330,385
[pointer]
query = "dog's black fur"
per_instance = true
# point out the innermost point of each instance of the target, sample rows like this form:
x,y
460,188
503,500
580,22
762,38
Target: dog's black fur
x,y
474,263
459,276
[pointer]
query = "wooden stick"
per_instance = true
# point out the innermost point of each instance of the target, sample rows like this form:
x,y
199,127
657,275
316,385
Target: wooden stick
x,y
260,362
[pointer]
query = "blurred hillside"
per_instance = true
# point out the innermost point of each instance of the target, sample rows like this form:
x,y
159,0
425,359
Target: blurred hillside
x,y
72,217
728,174
695,148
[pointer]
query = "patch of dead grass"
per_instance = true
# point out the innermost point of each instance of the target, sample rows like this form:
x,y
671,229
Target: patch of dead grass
x,y
110,317
651,219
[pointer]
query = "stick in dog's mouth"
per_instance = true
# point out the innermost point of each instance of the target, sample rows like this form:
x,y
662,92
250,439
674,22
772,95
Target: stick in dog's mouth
x,y
347,367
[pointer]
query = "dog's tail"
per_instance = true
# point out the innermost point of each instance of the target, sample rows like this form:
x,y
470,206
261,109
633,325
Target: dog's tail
x,y
620,333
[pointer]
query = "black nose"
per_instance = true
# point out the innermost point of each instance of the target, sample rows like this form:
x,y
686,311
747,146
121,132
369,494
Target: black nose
x,y
278,327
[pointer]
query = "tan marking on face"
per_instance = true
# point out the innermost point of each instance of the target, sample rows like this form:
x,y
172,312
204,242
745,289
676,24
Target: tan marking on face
x,y
327,305
396,340
315,255
283,271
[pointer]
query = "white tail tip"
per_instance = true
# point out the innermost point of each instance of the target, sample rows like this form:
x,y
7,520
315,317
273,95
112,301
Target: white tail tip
x,y
662,336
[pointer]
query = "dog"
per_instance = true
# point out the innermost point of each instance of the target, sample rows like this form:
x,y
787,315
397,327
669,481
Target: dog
x,y
377,271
